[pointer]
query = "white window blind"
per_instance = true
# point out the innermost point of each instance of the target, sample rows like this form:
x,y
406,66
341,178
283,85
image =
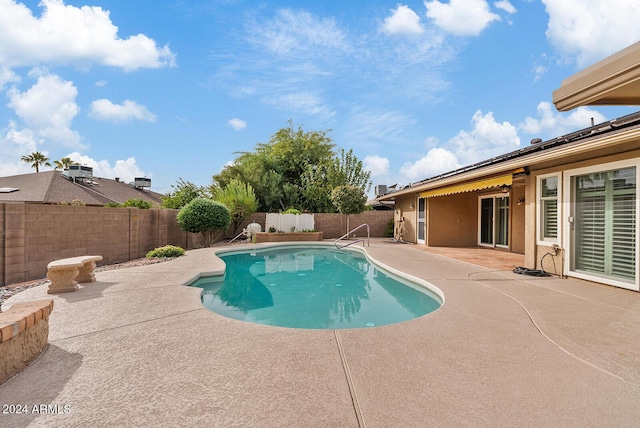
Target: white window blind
x,y
606,223
548,208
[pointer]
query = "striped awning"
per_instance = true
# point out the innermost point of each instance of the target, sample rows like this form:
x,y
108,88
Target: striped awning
x,y
486,183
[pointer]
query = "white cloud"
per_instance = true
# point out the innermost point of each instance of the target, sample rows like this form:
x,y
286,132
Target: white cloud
x,y
104,109
403,21
126,170
48,103
378,165
7,76
290,32
506,6
550,123
436,161
302,102
48,109
66,34
15,143
487,138
237,124
585,31
461,17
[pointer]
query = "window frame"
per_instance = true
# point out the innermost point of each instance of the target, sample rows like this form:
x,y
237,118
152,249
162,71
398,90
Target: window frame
x,y
540,238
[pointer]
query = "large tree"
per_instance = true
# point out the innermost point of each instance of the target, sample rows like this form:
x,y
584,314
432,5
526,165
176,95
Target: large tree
x,y
344,169
36,159
275,169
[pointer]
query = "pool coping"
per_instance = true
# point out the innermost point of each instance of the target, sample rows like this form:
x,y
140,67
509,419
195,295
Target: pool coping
x,y
137,348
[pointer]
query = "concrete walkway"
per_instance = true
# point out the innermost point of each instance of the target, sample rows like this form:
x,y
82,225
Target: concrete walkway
x,y
136,348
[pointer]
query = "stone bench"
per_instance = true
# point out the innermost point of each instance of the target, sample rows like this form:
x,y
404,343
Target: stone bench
x,y
24,334
65,274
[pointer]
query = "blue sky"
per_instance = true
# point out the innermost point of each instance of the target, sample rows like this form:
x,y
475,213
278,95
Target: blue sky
x,y
170,89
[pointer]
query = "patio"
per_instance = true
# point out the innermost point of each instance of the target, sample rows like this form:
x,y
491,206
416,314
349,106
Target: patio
x,y
136,348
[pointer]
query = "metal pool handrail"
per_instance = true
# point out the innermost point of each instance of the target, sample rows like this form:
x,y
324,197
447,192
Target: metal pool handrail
x,y
356,241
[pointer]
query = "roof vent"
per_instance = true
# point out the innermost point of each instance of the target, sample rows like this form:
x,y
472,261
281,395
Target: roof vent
x,y
140,182
8,189
536,141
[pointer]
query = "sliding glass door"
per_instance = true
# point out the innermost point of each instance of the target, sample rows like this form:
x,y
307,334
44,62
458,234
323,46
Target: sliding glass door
x,y
603,225
494,221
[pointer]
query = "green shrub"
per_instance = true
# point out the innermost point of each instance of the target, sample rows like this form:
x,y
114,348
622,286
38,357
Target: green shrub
x,y
166,251
137,203
291,211
112,205
388,233
204,216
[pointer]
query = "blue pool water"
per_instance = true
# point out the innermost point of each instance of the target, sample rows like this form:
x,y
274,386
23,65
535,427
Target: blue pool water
x,y
312,288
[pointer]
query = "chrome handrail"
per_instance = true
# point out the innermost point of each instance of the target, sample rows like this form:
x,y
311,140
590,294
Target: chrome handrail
x,y
346,235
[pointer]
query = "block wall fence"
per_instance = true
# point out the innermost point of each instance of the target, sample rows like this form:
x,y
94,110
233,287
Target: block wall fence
x,y
32,235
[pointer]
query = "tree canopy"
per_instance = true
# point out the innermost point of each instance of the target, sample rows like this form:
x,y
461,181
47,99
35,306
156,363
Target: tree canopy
x,y
36,159
183,192
296,168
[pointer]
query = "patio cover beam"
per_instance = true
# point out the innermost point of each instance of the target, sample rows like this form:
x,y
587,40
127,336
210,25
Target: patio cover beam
x,y
612,81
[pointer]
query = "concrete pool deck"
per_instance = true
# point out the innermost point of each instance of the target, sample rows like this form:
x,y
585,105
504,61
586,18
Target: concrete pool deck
x,y
136,348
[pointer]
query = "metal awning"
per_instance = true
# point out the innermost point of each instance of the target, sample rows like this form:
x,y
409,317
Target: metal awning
x,y
486,183
612,81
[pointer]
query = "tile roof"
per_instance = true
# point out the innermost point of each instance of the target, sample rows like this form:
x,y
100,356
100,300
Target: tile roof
x,y
50,187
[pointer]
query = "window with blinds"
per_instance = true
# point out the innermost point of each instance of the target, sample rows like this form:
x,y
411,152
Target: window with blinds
x,y
605,223
548,214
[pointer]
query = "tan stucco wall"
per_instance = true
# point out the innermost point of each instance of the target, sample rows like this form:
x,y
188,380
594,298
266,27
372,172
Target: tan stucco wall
x,y
404,205
453,220
517,229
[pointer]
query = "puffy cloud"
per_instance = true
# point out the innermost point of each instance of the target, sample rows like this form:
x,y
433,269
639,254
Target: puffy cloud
x,y
436,161
551,123
403,21
378,165
48,109
7,76
66,34
48,103
237,124
126,169
104,109
585,31
487,138
15,143
461,17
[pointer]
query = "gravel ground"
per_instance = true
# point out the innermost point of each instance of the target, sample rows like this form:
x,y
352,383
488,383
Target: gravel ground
x,y
10,290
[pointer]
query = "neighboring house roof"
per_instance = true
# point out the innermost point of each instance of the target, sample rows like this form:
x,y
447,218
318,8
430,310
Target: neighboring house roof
x,y
612,81
624,130
50,187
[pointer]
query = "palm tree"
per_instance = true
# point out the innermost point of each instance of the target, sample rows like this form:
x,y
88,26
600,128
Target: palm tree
x,y
63,163
36,159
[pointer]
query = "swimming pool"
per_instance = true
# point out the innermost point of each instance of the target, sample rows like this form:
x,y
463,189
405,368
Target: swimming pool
x,y
313,287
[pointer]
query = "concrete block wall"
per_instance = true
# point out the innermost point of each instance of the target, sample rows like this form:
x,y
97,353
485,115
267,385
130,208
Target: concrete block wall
x,y
32,235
